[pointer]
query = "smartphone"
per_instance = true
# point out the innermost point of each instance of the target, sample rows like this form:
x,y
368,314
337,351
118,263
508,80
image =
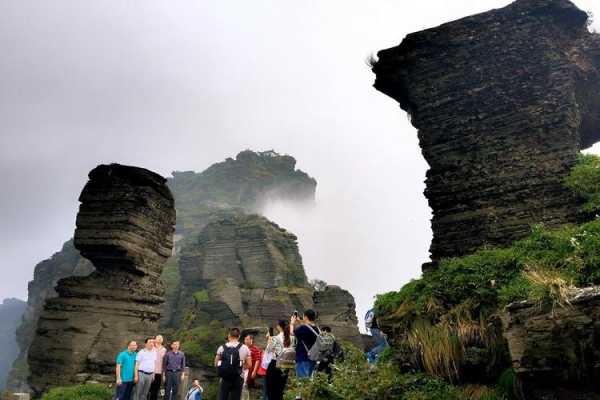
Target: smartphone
x,y
270,331
295,314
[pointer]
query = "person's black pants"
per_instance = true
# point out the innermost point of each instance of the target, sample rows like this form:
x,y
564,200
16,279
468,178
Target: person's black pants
x,y
275,381
173,379
124,391
155,387
231,389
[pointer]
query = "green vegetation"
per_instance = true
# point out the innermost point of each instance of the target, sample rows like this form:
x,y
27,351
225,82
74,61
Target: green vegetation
x,y
455,306
354,378
80,392
201,296
200,344
584,180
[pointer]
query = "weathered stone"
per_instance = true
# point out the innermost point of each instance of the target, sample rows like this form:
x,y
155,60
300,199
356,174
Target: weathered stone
x,y
503,101
243,271
65,263
336,308
125,227
556,350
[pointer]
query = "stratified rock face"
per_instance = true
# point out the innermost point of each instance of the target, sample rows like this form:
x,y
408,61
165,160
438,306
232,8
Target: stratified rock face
x,y
556,351
125,226
242,271
503,101
336,308
67,262
11,312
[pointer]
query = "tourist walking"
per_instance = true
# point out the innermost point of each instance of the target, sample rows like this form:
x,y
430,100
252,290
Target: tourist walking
x,y
125,371
195,392
231,359
144,369
158,371
174,370
278,346
306,332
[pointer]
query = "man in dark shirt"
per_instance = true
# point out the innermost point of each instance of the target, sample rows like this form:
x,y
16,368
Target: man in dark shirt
x,y
174,369
306,333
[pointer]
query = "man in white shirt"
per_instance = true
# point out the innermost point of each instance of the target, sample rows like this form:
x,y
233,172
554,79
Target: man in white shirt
x,y
231,360
145,362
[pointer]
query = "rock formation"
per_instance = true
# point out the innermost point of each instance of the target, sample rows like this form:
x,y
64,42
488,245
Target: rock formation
x,y
125,226
68,262
225,189
555,349
242,271
336,308
503,101
11,312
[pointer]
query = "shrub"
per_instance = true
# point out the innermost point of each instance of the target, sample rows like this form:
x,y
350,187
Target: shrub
x,y
584,180
354,378
80,392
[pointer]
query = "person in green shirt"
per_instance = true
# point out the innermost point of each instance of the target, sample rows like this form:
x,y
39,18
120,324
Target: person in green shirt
x,y
125,371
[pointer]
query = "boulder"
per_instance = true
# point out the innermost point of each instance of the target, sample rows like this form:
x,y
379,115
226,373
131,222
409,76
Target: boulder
x,y
555,350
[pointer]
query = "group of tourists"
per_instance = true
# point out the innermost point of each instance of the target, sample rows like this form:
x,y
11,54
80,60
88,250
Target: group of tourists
x,y
295,344
141,374
298,344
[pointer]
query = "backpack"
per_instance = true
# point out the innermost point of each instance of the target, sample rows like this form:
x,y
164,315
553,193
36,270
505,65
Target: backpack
x,y
231,365
322,349
369,318
287,358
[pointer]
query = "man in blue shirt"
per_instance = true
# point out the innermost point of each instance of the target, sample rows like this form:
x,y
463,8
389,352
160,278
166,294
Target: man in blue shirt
x,y
125,372
306,336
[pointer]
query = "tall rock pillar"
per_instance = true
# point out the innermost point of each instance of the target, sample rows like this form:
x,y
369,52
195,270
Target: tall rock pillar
x,y
125,228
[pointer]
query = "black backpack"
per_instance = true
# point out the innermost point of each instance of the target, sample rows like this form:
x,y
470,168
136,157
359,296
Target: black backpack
x,y
231,366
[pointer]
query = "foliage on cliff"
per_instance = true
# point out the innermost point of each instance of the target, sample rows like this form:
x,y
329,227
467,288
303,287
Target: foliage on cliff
x,y
453,308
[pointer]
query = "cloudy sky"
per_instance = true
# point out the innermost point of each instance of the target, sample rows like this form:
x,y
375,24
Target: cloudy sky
x,y
179,85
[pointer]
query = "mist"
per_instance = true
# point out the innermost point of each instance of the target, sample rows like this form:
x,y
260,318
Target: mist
x,y
178,85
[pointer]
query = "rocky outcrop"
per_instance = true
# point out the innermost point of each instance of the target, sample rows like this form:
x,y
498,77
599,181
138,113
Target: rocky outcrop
x,y
336,308
125,226
503,101
65,263
11,312
226,189
237,186
241,271
555,350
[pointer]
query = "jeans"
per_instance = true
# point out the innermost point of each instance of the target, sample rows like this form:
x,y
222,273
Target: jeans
x,y
143,386
231,389
124,391
380,345
172,385
304,369
155,387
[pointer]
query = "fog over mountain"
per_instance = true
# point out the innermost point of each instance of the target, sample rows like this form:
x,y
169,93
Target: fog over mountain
x,y
176,85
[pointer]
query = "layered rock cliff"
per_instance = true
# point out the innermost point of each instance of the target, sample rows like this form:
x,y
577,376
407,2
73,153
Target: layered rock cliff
x,y
11,312
503,101
242,271
65,263
125,228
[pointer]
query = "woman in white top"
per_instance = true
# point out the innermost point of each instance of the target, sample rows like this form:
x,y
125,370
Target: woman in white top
x,y
276,379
